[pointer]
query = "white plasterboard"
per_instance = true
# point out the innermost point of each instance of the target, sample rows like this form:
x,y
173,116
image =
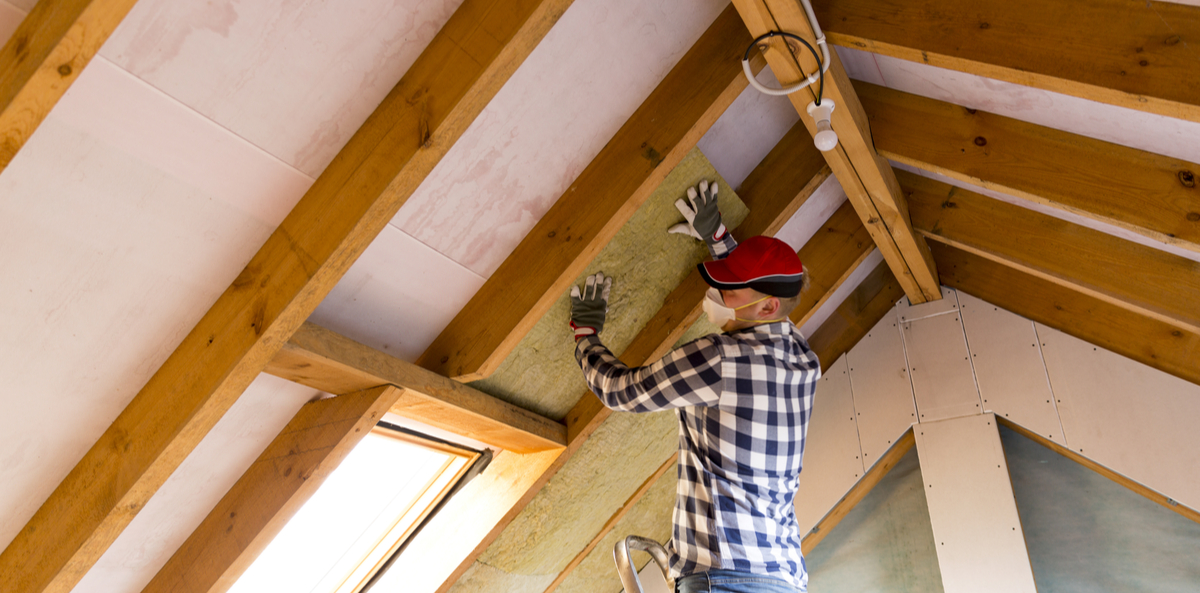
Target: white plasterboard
x,y
883,398
947,304
1008,366
747,131
976,528
1124,415
940,366
813,214
832,459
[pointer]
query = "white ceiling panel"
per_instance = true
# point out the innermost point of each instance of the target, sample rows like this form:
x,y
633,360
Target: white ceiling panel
x,y
577,88
747,131
398,296
203,478
814,213
10,19
296,78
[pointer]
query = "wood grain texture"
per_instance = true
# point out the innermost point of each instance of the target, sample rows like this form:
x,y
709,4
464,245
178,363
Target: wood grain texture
x,y
773,192
1144,339
866,176
1143,280
602,199
1133,189
43,57
860,491
829,258
862,309
361,190
328,361
265,498
1130,53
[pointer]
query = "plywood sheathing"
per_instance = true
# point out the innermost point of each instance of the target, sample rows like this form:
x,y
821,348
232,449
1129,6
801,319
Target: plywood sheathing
x,y
650,517
647,264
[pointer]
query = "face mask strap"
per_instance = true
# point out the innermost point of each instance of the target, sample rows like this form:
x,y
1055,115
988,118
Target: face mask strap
x,y
736,318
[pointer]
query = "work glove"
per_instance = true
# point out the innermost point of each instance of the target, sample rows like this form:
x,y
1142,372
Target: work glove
x,y
703,217
588,309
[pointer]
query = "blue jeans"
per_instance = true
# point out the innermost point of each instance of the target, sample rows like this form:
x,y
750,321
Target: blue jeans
x,y
732,581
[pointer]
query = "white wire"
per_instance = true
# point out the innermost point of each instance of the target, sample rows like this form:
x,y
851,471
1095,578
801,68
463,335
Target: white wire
x,y
812,21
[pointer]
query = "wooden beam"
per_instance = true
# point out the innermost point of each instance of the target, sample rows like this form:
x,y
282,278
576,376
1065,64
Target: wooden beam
x,y
325,360
1142,192
43,58
860,491
1140,279
1160,499
265,498
1144,339
774,191
613,520
866,176
601,200
862,309
462,68
829,257
1129,53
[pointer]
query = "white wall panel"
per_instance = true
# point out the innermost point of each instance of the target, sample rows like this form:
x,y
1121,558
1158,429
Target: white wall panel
x,y
747,131
948,303
883,397
1009,368
977,532
832,459
940,366
1131,418
817,209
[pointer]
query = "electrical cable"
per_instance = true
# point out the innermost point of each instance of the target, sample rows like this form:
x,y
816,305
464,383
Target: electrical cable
x,y
822,66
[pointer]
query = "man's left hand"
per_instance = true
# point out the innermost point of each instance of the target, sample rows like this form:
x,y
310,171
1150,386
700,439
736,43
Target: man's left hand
x,y
589,307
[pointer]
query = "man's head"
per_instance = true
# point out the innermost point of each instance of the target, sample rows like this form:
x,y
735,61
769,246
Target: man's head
x,y
761,280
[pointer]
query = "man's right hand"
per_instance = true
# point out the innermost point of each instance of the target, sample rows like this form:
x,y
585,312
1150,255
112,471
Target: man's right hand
x,y
703,216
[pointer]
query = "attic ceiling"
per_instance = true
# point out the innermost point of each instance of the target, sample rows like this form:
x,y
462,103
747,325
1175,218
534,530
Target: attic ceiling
x,y
133,212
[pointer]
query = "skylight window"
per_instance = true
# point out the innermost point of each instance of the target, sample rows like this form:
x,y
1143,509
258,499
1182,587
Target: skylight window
x,y
359,517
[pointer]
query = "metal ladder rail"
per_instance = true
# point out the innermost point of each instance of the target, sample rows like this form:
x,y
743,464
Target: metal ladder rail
x,y
625,569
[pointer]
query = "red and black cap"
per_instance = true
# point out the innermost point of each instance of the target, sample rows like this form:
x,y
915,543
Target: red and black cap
x,y
765,264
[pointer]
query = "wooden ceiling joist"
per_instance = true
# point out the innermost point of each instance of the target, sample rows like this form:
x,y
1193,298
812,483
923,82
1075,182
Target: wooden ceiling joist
x,y
1149,194
446,88
601,200
328,361
773,192
829,257
1141,279
862,309
46,53
1142,338
866,177
281,480
1129,53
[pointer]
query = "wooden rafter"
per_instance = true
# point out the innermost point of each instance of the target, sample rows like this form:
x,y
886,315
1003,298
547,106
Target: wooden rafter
x,y
1092,178
1141,279
601,200
1129,53
829,257
458,73
280,481
862,309
774,191
1142,338
325,360
43,57
866,176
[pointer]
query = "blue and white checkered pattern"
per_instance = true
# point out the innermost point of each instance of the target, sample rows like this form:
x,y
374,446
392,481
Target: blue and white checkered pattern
x,y
743,400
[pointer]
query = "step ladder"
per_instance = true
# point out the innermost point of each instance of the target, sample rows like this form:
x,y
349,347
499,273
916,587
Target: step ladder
x,y
625,568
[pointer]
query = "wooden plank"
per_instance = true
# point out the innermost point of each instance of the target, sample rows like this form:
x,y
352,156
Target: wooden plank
x,y
462,68
829,257
862,309
43,57
860,491
602,199
971,507
265,498
325,360
1160,499
1143,280
1144,339
774,191
1132,189
1129,53
866,176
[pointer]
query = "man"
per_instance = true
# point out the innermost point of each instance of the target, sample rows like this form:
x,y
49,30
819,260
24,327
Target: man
x,y
743,400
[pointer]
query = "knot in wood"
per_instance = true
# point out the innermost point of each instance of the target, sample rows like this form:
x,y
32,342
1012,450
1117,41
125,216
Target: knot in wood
x,y
64,70
1187,178
980,141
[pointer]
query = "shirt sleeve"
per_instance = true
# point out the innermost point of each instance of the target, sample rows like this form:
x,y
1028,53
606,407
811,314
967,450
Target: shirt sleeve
x,y
687,376
721,248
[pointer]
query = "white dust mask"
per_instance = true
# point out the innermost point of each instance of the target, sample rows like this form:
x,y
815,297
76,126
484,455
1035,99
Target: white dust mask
x,y
719,313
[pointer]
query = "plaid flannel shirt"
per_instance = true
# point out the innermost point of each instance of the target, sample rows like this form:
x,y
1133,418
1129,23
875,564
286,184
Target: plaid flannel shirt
x,y
743,401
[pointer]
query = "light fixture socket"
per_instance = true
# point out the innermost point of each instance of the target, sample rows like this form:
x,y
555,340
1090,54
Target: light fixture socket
x,y
825,139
